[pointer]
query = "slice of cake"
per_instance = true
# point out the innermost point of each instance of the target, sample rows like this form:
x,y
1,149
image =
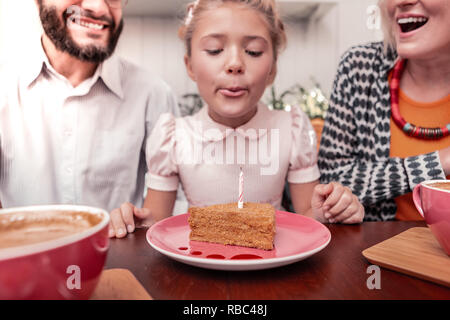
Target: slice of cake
x,y
252,226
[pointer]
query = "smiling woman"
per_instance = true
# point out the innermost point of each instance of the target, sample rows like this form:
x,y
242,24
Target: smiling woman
x,y
403,22
397,100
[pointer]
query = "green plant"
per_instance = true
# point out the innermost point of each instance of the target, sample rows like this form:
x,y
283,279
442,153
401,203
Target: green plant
x,y
190,103
278,103
313,102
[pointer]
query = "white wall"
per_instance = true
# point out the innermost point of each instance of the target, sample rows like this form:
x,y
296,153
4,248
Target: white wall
x,y
313,51
19,24
353,24
153,44
314,46
1,27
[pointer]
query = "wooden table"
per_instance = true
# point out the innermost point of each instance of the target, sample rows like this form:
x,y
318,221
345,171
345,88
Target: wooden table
x,y
337,272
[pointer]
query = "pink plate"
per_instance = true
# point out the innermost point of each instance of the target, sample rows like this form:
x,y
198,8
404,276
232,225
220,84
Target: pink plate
x,y
297,237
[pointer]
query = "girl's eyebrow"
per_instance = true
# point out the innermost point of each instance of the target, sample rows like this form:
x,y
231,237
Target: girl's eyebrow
x,y
248,39
223,36
213,35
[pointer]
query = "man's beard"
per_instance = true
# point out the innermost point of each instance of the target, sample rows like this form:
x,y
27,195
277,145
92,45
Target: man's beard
x,y
58,33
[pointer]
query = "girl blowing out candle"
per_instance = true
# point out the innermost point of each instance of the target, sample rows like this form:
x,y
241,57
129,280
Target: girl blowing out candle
x,y
231,53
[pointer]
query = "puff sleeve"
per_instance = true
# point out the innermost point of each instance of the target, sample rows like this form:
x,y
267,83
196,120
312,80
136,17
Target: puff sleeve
x,y
303,166
160,155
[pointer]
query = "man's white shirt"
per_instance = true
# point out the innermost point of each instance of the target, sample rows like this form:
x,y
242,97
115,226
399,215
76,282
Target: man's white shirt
x,y
83,145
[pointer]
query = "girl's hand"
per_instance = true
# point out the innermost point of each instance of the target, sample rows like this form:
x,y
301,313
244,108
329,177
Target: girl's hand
x,y
335,203
125,219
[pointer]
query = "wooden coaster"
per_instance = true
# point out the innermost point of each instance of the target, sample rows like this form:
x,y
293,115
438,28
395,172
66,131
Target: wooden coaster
x,y
415,252
119,284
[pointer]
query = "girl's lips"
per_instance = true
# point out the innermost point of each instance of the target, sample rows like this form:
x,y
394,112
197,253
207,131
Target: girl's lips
x,y
233,92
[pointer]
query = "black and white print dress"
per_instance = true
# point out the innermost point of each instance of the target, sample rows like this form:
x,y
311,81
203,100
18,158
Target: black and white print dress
x,y
355,143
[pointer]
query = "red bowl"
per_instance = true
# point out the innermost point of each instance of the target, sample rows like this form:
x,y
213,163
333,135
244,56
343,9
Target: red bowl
x,y
64,268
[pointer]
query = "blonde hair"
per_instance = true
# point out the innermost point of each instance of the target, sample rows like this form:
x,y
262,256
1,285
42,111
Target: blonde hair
x,y
386,26
267,8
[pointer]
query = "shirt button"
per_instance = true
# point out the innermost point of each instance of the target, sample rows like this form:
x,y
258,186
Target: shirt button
x,y
69,170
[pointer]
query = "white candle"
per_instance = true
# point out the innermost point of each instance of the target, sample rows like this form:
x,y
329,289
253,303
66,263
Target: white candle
x,y
241,190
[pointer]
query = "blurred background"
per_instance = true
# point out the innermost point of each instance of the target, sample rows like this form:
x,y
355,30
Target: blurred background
x,y
319,31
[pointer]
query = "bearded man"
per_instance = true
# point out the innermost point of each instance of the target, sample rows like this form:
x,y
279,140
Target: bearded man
x,y
74,119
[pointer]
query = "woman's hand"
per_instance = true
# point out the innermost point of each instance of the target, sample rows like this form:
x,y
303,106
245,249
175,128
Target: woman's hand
x,y
335,203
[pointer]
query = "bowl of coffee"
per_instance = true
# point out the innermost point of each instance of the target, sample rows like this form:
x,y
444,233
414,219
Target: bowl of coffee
x,y
432,200
52,252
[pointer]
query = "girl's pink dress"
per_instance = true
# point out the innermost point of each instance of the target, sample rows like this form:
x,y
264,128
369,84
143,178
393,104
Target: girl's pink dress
x,y
206,156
